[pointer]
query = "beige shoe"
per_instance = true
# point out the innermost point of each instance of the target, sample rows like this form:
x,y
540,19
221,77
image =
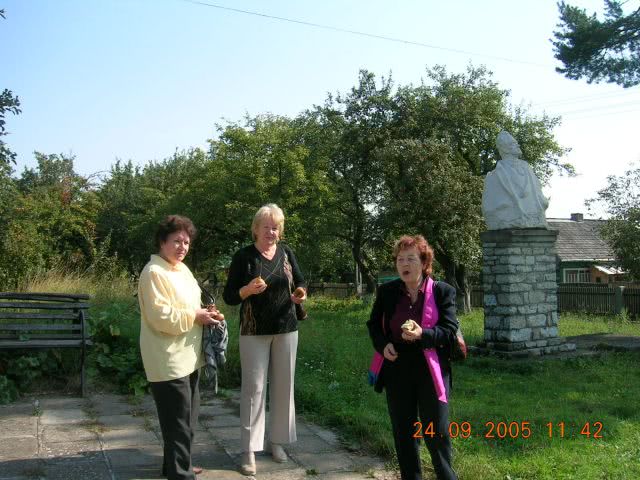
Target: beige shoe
x,y
277,453
248,463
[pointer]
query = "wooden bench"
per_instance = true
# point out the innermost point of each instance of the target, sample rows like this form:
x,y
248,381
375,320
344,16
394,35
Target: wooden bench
x,y
43,321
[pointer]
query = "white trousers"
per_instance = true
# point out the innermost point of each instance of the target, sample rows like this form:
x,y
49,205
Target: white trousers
x,y
272,357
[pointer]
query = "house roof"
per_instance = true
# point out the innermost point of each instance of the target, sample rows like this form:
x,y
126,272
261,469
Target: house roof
x,y
580,240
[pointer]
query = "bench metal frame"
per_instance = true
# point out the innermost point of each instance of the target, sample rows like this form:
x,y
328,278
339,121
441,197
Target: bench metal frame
x,y
44,321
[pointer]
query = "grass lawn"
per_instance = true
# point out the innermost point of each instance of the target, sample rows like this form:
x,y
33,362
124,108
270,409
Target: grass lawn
x,y
601,392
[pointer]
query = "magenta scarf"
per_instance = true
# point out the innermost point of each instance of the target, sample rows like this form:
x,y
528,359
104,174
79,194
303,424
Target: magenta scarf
x,y
430,318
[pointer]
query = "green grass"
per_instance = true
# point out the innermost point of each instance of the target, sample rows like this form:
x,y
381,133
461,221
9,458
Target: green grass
x,y
334,352
331,389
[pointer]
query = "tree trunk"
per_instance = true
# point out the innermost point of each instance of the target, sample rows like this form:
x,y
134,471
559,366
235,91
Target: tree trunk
x,y
456,275
365,271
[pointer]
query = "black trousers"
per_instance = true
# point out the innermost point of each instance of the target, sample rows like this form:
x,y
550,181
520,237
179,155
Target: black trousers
x,y
178,403
410,391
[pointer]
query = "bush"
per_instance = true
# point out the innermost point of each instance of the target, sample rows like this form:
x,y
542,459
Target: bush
x,y
8,390
115,331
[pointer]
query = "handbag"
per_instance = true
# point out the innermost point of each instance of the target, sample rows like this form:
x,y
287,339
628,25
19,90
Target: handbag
x,y
301,313
458,347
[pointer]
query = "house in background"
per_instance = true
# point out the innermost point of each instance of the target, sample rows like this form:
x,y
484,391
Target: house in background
x,y
583,255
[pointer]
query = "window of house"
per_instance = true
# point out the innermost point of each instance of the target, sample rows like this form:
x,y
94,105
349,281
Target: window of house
x,y
577,275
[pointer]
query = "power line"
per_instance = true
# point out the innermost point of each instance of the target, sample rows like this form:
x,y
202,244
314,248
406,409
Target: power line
x,y
587,97
572,117
601,107
365,34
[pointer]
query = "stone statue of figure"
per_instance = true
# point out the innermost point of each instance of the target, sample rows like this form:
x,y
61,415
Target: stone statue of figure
x,y
512,196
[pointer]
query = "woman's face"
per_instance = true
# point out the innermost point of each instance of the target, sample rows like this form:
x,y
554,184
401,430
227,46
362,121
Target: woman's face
x,y
268,233
409,265
176,247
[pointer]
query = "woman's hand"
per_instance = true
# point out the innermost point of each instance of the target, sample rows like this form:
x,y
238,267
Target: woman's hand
x,y
254,287
215,313
299,295
204,317
412,335
390,352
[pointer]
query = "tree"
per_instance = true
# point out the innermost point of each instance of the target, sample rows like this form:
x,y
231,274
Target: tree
x,y
621,198
273,159
8,104
607,50
444,134
431,192
353,127
50,220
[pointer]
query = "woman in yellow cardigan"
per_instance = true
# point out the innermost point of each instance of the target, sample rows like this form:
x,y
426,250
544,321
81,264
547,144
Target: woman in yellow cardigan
x,y
171,342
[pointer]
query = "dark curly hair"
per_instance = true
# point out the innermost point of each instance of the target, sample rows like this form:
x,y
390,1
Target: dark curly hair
x,y
171,224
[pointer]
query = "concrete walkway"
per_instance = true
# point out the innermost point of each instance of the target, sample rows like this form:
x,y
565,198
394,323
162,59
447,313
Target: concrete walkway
x,y
105,437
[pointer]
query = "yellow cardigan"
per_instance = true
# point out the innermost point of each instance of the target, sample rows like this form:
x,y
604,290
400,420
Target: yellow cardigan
x,y
170,341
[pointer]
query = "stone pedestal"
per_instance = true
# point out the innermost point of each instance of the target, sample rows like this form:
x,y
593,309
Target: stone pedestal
x,y
520,293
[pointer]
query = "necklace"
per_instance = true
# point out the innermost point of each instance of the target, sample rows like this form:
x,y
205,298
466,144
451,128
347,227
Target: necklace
x,y
413,292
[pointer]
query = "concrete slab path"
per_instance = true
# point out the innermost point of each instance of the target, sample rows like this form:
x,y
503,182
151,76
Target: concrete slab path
x,y
105,437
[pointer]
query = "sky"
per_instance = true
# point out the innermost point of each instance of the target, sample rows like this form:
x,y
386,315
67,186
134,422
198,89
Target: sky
x,y
109,80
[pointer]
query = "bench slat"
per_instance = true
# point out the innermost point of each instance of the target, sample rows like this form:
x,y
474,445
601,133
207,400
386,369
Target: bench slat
x,y
45,306
42,336
39,327
45,316
38,343
53,297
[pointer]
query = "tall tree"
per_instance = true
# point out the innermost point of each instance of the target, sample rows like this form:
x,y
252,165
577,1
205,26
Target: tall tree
x,y
9,103
51,220
607,50
621,199
431,191
356,125
273,159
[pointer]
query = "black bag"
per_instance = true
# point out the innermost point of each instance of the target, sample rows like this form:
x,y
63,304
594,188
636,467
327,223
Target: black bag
x,y
458,347
301,313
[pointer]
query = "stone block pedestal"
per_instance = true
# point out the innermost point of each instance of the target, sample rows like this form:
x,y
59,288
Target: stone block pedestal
x,y
520,293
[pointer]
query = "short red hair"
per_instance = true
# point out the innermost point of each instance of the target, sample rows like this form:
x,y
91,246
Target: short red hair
x,y
424,249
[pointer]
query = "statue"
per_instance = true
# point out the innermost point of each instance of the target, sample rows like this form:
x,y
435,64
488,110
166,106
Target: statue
x,y
512,196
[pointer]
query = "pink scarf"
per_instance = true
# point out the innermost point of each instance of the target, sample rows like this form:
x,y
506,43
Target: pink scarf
x,y
430,318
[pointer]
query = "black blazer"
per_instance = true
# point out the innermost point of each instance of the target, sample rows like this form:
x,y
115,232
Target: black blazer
x,y
440,337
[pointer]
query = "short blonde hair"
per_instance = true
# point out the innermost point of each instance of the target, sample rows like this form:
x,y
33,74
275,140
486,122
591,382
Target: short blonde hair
x,y
272,212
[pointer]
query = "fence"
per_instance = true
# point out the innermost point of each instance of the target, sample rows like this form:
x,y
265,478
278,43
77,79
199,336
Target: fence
x,y
572,297
337,290
587,297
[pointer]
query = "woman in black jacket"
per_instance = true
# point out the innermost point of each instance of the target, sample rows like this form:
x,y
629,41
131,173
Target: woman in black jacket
x,y
263,277
412,326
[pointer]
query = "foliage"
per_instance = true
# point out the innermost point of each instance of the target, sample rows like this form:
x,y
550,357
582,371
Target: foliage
x,y
621,198
49,221
8,390
272,159
338,170
391,153
129,202
115,351
8,104
23,370
354,126
607,50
